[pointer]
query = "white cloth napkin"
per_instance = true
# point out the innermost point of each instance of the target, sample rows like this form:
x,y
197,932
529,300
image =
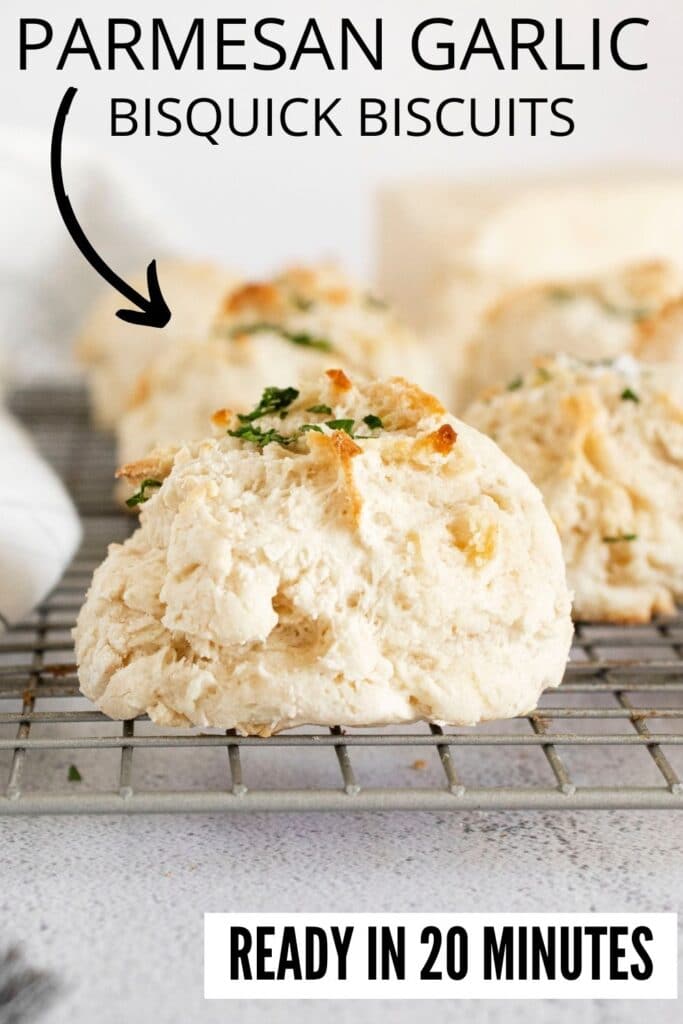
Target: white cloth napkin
x,y
39,527
46,286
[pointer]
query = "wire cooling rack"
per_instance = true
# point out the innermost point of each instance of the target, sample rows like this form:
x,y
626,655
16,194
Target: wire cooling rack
x,y
610,737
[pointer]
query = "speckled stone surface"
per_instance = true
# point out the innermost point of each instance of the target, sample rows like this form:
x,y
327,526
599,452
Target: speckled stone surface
x,y
115,905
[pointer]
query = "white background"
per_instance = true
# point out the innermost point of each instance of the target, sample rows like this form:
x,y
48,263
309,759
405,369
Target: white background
x,y
257,202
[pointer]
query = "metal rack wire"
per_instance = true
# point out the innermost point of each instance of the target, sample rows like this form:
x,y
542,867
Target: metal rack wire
x,y
610,737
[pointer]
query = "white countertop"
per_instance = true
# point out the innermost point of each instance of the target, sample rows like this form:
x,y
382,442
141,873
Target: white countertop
x,y
114,905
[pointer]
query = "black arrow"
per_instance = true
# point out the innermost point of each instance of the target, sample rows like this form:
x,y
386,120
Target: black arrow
x,y
152,311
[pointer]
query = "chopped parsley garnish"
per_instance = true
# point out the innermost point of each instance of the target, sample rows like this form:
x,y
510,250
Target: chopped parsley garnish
x,y
308,340
272,400
560,295
373,422
141,496
296,338
279,399
618,538
515,384
345,425
634,313
254,328
302,303
637,313
629,395
543,374
74,775
374,303
249,432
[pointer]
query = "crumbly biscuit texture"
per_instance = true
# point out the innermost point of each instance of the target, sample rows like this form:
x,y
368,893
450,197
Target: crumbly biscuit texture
x,y
604,443
596,318
660,338
342,554
268,333
114,353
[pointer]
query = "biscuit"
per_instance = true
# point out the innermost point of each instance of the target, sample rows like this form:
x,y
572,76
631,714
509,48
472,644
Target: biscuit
x,y
596,318
114,353
479,239
450,250
344,555
660,338
604,443
269,333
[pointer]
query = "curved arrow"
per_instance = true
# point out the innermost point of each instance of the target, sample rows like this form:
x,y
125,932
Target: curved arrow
x,y
152,311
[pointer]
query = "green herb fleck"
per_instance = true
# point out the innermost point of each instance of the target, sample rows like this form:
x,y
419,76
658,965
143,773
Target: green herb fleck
x,y
255,328
629,395
515,384
310,426
374,303
272,400
308,341
301,338
302,303
74,775
543,374
345,425
249,432
141,496
637,313
373,422
620,537
320,408
560,295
